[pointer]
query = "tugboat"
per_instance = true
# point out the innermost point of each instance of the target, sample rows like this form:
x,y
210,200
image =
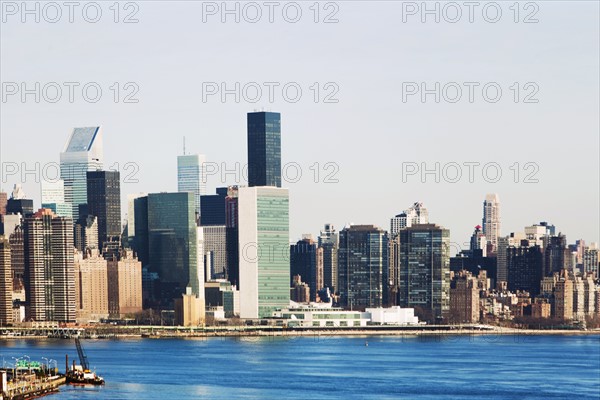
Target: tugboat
x,y
81,374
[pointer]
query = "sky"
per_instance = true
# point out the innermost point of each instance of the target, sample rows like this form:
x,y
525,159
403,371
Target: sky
x,y
360,120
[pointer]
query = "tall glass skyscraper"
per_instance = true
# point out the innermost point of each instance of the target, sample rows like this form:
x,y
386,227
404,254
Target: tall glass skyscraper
x,y
104,202
425,269
264,266
362,266
191,176
264,149
172,243
83,152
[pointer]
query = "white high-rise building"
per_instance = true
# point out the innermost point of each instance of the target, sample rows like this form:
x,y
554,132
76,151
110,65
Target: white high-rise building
x,y
264,246
191,176
83,152
491,219
415,215
53,197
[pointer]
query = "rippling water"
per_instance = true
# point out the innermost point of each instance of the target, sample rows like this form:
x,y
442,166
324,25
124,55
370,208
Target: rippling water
x,y
465,367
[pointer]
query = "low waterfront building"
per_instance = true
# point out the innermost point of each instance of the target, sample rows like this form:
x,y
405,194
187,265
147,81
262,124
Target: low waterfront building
x,y
189,309
540,309
392,316
300,291
321,317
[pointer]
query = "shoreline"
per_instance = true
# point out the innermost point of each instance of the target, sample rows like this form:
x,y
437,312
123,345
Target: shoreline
x,y
273,332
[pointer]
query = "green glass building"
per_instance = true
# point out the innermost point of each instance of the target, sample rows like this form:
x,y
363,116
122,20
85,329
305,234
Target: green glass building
x,y
263,251
172,244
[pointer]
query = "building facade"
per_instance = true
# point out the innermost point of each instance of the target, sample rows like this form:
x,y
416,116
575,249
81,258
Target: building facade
x,y
264,263
172,244
6,283
91,286
264,149
464,298
363,266
83,152
191,177
104,202
124,286
329,241
306,260
491,219
425,269
49,265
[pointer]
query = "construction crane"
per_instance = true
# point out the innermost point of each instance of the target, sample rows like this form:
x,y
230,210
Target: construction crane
x,y
82,357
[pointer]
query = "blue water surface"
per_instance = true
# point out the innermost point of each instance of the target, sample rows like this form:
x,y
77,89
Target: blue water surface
x,y
318,367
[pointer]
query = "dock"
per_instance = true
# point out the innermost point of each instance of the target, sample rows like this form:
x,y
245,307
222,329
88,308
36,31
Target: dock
x,y
29,386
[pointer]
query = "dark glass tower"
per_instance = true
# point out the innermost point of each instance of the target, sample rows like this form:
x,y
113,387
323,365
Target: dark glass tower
x,y
362,266
104,202
425,269
212,208
264,149
306,260
172,243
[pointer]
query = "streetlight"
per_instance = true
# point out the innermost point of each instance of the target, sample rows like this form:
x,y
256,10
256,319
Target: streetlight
x,y
47,364
55,364
16,367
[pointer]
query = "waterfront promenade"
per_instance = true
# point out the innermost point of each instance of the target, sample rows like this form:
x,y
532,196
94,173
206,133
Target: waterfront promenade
x,y
110,331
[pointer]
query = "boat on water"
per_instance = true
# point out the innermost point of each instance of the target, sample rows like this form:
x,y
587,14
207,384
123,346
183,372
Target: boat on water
x,y
81,374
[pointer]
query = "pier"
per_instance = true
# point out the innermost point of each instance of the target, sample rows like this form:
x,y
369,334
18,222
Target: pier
x,y
28,385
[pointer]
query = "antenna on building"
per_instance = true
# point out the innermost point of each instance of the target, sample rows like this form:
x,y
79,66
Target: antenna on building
x,y
184,145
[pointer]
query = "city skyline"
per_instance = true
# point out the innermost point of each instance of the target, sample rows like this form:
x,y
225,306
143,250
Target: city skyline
x,y
88,135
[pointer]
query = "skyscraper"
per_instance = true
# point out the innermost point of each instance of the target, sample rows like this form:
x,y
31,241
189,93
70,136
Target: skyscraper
x,y
524,266
232,233
329,241
53,197
425,269
3,201
363,266
140,241
212,208
191,176
264,264
104,202
306,260
491,219
415,214
83,152
49,265
131,216
264,149
172,244
6,283
214,249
